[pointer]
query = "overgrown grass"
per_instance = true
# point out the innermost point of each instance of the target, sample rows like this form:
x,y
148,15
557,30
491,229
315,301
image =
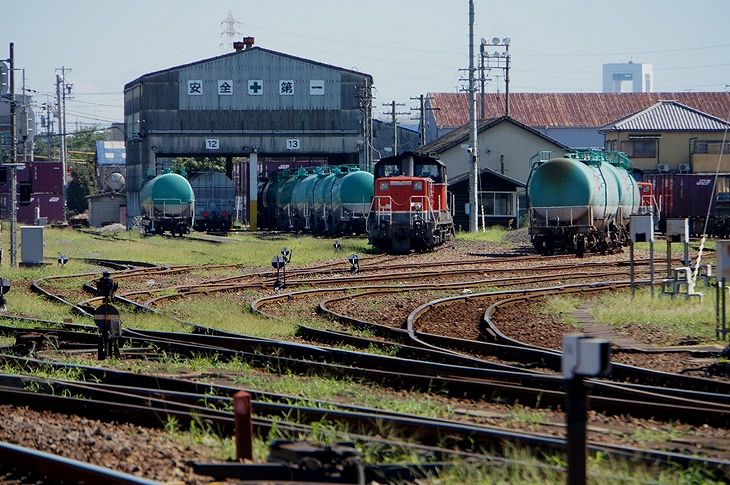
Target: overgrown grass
x,y
561,306
492,234
674,317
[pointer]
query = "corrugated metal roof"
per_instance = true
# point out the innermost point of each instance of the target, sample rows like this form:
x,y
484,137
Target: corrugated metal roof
x,y
111,153
246,52
668,116
568,109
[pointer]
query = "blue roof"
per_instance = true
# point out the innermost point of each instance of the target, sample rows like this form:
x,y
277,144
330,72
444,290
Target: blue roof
x,y
111,153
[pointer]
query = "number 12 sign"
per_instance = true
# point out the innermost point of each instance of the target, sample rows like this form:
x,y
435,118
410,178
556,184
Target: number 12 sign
x,y
212,144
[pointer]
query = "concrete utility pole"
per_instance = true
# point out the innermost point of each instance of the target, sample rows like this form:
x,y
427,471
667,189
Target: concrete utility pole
x,y
61,93
422,117
393,115
473,142
13,165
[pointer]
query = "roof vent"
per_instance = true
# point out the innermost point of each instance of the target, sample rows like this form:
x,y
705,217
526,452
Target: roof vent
x,y
247,43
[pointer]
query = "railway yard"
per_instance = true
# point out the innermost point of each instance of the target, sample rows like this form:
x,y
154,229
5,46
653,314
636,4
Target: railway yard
x,y
465,331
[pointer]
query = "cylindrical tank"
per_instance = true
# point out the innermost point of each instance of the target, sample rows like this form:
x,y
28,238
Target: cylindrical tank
x,y
323,194
575,187
167,195
353,191
302,198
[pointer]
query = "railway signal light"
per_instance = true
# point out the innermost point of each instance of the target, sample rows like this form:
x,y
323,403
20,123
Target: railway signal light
x,y
4,288
337,245
279,263
286,252
106,286
354,260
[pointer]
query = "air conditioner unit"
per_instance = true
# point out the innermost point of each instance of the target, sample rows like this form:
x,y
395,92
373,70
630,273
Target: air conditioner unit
x,y
684,167
663,167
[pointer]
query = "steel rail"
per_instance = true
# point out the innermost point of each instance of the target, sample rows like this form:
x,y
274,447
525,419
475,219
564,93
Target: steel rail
x,y
121,403
64,470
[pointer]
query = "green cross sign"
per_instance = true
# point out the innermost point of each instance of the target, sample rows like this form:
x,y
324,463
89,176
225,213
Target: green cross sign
x,y
255,87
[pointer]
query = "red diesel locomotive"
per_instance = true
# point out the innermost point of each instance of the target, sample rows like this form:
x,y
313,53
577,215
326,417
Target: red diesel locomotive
x,y
410,208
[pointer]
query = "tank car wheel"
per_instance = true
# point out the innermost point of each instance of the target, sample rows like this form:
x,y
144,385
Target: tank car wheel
x,y
580,245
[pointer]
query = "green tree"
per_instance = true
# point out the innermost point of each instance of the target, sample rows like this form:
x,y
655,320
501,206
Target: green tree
x,y
81,185
81,148
194,165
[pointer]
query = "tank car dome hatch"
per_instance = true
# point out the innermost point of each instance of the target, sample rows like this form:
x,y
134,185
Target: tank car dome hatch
x,y
115,181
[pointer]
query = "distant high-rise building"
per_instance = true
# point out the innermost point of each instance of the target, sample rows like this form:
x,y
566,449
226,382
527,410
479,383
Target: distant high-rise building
x,y
628,78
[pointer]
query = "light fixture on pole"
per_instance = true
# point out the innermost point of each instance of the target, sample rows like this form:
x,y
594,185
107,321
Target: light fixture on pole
x,y
499,60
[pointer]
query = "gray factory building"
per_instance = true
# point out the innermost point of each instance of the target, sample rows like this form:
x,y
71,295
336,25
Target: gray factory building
x,y
252,103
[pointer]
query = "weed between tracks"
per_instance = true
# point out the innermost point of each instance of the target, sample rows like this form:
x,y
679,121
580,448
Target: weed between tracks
x,y
231,312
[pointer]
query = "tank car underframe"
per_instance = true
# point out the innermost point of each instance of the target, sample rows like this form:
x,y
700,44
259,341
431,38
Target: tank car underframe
x,y
579,239
162,224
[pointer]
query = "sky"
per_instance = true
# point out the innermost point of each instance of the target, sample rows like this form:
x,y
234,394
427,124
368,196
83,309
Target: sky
x,y
409,47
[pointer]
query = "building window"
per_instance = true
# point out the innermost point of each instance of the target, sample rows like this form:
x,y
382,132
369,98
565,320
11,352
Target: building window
x,y
643,148
498,204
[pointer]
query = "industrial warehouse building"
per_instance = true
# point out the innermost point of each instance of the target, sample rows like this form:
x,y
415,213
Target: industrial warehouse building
x,y
253,103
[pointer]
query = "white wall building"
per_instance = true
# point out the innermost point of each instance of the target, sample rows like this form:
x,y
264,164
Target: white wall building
x,y
628,78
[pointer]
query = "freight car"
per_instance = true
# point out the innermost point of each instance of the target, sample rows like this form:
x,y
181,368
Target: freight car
x,y
704,199
581,201
167,202
410,208
332,200
215,201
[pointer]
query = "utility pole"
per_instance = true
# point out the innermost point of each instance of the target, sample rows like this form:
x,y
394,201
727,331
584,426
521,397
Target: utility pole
x,y
13,165
393,115
62,90
474,174
365,96
422,117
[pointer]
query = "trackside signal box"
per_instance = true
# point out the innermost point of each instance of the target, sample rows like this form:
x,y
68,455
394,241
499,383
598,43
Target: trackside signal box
x,y
642,228
585,356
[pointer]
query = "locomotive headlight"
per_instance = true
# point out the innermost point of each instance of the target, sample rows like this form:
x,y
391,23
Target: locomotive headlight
x,y
418,185
417,206
384,185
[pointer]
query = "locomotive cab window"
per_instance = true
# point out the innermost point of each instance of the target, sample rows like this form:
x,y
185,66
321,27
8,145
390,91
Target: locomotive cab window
x,y
388,170
430,170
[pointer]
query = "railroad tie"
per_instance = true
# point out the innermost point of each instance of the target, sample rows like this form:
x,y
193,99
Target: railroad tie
x,y
602,330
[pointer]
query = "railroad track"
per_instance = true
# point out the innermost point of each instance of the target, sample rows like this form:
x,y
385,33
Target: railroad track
x,y
422,361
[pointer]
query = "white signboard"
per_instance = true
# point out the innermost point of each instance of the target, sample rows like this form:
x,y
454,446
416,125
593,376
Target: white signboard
x,y
225,87
212,144
286,87
292,144
195,87
316,87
